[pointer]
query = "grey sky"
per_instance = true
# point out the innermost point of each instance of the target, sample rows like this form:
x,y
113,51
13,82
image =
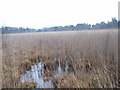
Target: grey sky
x,y
47,13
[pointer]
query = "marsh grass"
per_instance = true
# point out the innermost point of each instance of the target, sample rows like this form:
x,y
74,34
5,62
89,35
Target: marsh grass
x,y
92,57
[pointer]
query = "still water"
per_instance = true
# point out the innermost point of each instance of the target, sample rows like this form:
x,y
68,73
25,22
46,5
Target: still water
x,y
36,75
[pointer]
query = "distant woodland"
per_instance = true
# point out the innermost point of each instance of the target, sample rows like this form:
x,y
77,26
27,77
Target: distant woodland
x,y
114,23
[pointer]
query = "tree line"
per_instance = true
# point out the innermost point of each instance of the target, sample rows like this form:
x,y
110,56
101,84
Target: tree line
x,y
114,23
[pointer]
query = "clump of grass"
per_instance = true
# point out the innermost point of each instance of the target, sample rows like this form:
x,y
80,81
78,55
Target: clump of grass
x,y
25,65
29,85
50,65
36,59
66,81
48,74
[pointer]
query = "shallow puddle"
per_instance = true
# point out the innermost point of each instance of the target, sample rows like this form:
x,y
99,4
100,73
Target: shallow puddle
x,y
36,74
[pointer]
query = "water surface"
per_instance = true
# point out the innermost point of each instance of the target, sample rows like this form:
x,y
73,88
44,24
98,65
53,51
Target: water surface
x,y
36,75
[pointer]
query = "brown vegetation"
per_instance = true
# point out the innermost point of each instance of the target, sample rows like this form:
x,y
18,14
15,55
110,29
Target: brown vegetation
x,y
29,85
91,55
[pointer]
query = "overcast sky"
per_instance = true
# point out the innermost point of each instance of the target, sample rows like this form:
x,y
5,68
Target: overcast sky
x,y
47,13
